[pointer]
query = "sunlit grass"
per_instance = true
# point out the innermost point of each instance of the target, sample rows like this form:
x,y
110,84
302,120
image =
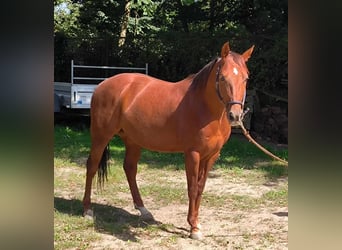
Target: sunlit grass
x,y
73,145
73,232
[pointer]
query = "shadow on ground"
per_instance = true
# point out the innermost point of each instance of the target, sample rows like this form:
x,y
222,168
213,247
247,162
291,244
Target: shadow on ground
x,y
107,219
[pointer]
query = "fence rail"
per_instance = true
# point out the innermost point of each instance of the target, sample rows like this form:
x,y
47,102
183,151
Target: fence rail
x,y
73,66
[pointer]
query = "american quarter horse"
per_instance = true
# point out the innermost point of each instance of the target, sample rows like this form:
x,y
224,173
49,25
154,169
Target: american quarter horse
x,y
192,116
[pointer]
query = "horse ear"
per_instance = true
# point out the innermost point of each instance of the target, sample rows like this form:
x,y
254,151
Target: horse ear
x,y
225,50
247,54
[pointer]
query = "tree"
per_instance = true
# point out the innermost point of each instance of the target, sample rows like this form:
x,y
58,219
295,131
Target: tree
x,y
124,23
176,37
66,15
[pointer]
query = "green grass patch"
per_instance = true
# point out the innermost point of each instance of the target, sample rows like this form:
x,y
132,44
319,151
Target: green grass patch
x,y
72,147
278,197
72,231
164,195
238,152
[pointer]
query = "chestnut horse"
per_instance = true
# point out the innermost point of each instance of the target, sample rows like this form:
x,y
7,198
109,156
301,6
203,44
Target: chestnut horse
x,y
192,116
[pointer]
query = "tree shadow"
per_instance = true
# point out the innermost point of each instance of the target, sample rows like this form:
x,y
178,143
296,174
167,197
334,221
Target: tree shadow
x,y
107,219
74,119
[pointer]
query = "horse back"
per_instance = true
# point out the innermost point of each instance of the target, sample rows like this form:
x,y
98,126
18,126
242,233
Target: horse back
x,y
143,90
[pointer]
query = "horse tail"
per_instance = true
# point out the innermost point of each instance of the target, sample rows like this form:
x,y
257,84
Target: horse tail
x,y
102,172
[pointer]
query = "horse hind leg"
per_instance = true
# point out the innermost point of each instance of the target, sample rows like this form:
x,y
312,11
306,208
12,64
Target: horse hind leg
x,y
130,166
98,155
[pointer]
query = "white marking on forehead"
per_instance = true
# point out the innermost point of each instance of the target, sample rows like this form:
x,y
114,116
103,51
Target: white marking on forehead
x,y
235,71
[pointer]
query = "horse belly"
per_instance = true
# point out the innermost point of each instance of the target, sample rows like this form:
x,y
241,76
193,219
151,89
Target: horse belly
x,y
151,138
150,116
153,130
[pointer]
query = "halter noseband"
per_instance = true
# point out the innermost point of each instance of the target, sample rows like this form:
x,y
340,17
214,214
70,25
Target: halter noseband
x,y
219,93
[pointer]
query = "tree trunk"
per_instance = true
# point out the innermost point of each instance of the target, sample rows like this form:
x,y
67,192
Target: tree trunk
x,y
124,23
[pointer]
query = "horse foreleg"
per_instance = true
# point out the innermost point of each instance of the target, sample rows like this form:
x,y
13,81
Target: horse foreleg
x,y
197,173
132,157
205,167
192,160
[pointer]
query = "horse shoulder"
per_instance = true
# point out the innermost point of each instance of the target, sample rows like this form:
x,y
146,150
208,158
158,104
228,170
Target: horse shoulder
x,y
220,131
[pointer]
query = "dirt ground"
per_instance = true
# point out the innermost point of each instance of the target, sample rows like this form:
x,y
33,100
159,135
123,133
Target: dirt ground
x,y
223,227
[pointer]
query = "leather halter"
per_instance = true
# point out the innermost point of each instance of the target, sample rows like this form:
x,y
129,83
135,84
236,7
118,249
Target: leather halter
x,y
226,104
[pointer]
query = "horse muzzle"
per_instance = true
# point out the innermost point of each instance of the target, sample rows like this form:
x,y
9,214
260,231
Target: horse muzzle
x,y
234,117
235,112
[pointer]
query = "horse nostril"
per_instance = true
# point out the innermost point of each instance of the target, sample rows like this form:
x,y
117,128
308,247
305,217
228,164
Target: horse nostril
x,y
231,116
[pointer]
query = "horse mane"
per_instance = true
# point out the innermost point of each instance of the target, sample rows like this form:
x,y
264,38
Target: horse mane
x,y
200,78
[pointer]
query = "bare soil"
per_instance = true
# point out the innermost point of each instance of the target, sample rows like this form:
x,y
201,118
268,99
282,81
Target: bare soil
x,y
224,226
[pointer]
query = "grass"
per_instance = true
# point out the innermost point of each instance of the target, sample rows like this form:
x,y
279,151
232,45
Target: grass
x,y
71,145
237,162
73,231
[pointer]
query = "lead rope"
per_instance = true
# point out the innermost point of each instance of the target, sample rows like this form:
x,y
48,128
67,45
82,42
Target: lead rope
x,y
250,139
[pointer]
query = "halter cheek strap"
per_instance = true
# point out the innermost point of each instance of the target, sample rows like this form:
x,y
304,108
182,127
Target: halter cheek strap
x,y
219,93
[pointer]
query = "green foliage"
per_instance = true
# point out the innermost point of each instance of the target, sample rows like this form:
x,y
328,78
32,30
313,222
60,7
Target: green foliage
x,y
176,38
66,15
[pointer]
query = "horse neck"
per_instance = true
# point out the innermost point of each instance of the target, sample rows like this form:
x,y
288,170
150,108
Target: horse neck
x,y
210,96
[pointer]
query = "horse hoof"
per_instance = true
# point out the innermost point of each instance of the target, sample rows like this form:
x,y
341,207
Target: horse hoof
x,y
145,214
89,214
147,217
196,235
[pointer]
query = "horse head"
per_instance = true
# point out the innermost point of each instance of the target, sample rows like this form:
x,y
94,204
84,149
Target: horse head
x,y
231,81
